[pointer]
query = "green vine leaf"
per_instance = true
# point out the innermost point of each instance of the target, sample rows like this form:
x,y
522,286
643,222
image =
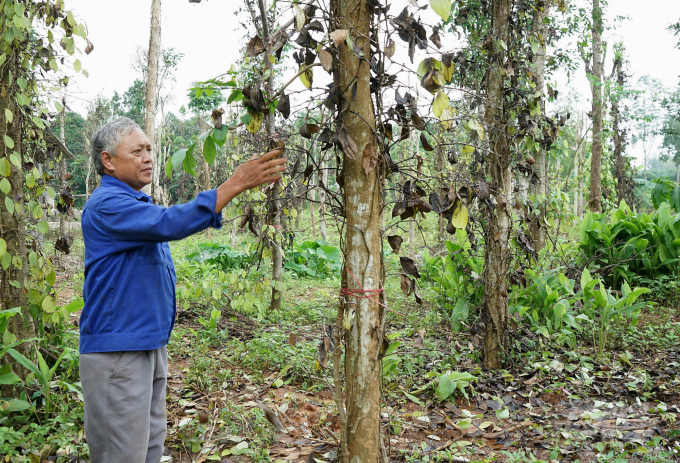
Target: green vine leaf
x,y
9,204
442,8
5,168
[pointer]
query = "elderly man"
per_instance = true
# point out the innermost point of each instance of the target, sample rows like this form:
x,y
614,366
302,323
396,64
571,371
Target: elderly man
x,y
129,290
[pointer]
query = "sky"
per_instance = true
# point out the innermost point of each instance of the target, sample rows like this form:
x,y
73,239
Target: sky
x,y
210,36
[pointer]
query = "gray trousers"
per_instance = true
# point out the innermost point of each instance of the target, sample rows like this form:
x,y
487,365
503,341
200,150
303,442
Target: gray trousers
x,y
125,405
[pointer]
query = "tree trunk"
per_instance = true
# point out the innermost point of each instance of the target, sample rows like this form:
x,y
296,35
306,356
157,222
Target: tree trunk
x,y
539,189
499,229
63,168
12,225
595,199
151,95
323,180
362,315
275,190
89,169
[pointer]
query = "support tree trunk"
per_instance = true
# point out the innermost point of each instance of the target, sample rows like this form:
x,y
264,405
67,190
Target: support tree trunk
x,y
151,96
499,229
13,224
539,190
595,198
362,195
275,190
63,168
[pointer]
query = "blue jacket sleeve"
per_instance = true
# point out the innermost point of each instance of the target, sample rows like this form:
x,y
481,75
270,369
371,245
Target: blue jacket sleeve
x,y
135,223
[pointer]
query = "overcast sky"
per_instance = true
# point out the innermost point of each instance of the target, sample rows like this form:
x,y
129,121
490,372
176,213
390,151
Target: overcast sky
x,y
210,36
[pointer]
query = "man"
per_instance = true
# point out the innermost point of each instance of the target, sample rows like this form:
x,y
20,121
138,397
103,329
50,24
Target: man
x,y
129,290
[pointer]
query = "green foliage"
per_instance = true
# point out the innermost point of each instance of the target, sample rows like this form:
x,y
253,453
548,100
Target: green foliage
x,y
316,259
221,256
459,280
625,246
666,191
42,373
203,100
610,309
131,104
451,382
548,303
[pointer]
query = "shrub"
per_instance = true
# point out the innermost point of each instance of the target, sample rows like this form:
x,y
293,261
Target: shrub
x,y
314,259
626,246
459,279
221,256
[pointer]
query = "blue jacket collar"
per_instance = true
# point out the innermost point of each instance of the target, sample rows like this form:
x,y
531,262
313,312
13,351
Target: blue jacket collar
x,y
108,180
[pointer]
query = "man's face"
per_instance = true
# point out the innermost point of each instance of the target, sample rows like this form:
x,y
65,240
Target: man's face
x,y
132,164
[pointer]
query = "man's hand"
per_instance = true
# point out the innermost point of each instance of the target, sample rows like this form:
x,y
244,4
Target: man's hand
x,y
254,172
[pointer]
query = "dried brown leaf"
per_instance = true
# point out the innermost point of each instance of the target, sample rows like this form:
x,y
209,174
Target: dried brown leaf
x,y
370,158
255,46
395,242
425,142
338,36
409,266
406,285
326,60
349,147
390,49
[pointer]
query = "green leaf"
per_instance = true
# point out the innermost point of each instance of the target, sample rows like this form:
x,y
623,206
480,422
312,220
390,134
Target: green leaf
x,y
15,159
3,247
43,227
48,305
51,278
58,106
75,306
236,95
446,118
9,204
442,8
189,162
23,361
209,150
445,388
9,142
459,219
255,122
168,168
9,378
414,399
220,135
53,65
30,180
474,125
5,186
14,405
37,212
9,116
426,66
178,157
441,101
3,58
306,77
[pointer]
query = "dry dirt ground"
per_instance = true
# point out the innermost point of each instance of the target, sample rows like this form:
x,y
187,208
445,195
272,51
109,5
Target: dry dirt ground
x,y
557,408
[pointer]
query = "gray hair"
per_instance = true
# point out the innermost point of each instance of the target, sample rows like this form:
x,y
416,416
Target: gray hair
x,y
108,138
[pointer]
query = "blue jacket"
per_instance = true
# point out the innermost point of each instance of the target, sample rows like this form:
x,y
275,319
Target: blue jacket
x,y
130,279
